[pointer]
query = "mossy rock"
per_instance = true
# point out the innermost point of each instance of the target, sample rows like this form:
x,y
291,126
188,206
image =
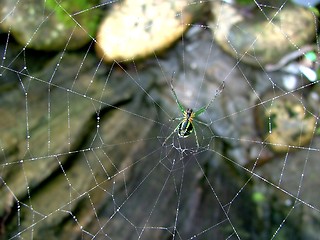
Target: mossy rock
x,y
262,35
284,121
48,25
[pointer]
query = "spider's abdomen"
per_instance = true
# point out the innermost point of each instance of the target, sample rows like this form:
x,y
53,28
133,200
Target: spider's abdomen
x,y
185,128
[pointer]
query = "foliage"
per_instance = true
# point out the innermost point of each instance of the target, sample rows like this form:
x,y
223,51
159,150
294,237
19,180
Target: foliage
x,y
244,2
65,11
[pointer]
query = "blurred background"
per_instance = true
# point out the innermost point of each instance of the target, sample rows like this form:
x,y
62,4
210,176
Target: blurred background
x,y
89,123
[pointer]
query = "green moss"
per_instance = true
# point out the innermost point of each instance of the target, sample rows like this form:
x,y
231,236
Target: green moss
x,y
258,197
69,12
315,11
245,2
273,120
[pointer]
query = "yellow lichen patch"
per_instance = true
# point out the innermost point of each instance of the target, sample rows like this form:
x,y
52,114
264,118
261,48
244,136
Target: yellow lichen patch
x,y
135,29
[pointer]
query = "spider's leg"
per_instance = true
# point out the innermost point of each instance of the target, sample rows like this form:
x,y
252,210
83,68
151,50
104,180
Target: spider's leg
x,y
203,123
204,108
178,118
195,133
167,138
175,96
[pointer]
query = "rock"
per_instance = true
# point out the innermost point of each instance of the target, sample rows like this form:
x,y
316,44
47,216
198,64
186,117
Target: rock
x,y
47,25
135,29
284,121
262,36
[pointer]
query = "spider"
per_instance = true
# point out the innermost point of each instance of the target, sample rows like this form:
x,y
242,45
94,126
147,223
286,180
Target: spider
x,y
186,125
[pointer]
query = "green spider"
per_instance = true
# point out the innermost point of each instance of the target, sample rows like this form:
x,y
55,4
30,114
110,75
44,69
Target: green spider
x,y
186,126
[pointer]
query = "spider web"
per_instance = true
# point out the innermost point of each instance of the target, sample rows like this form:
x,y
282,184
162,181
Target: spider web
x,y
82,154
